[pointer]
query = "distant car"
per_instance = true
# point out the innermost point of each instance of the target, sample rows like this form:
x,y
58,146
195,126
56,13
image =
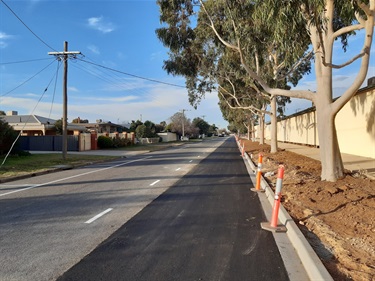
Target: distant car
x,y
222,135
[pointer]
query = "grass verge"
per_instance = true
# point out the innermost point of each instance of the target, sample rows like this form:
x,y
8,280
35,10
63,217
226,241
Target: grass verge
x,y
22,165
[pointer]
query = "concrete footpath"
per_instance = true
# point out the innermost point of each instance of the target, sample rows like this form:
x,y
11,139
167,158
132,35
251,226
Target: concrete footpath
x,y
354,163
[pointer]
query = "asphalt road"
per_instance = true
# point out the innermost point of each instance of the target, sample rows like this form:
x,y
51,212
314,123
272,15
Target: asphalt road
x,y
49,223
204,227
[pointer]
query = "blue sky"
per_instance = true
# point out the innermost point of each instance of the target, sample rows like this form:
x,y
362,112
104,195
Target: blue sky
x,y
116,34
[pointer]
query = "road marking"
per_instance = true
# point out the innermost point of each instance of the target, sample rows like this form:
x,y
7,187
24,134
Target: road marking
x,y
99,215
190,161
155,182
178,169
75,176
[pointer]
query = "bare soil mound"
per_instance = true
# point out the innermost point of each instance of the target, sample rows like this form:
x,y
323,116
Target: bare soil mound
x,y
337,218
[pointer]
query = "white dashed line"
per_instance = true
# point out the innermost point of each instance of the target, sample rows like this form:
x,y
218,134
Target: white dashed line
x,y
178,169
99,215
155,182
71,177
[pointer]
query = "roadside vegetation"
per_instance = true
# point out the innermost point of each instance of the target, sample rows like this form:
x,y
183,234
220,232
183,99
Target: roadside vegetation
x,y
34,163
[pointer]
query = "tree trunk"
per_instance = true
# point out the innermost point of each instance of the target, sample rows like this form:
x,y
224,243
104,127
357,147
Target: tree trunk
x,y
261,128
273,125
252,131
330,156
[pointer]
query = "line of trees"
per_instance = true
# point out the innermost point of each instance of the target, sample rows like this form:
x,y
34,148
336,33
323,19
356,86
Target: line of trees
x,y
179,124
252,52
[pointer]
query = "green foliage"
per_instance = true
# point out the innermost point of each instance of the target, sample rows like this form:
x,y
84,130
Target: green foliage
x,y
141,131
202,125
120,142
59,126
134,125
105,142
7,136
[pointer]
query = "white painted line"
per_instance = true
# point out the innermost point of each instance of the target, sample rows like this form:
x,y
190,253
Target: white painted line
x,y
14,185
155,182
190,161
178,169
75,176
99,215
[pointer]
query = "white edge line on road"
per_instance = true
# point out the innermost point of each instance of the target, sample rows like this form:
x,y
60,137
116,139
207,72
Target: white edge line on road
x,y
178,169
75,176
99,215
155,182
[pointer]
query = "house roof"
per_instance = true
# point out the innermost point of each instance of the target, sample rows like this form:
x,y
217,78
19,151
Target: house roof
x,y
29,119
35,120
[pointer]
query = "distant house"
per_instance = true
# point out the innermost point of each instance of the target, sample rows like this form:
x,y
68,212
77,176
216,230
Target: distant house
x,y
101,127
34,125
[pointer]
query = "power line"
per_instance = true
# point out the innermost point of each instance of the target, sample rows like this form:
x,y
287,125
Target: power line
x,y
32,113
40,39
27,79
132,75
23,61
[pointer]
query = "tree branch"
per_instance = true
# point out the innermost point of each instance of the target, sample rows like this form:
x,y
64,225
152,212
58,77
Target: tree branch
x,y
335,66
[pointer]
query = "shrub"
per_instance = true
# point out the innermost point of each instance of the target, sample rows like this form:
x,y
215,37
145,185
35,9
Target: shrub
x,y
7,136
105,142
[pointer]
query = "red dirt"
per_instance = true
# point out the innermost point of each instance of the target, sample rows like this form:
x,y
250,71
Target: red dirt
x,y
337,218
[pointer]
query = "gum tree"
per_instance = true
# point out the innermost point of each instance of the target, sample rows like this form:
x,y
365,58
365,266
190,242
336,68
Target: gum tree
x,y
198,54
313,27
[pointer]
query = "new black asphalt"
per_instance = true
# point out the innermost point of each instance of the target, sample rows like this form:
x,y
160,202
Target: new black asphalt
x,y
205,227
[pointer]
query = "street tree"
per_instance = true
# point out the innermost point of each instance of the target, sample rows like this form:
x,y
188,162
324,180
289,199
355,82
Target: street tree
x,y
134,125
313,27
207,64
202,125
182,125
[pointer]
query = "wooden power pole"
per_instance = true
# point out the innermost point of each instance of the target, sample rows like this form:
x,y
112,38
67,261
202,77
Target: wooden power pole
x,y
65,55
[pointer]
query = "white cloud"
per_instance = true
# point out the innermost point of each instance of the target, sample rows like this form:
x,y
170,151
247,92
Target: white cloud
x,y
121,55
3,38
73,89
99,24
94,49
157,56
155,102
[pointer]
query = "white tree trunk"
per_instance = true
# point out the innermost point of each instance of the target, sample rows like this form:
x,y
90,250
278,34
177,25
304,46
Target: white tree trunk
x,y
330,156
248,130
261,128
273,125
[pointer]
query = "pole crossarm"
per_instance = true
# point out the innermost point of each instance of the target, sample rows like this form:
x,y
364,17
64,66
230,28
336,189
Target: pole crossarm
x,y
64,53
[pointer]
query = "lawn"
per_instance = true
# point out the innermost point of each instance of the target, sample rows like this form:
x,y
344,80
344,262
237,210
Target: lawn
x,y
21,165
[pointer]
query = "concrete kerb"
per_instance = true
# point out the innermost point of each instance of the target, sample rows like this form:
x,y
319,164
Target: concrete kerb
x,y
309,259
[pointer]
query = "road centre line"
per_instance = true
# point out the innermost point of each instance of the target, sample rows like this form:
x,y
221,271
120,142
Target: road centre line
x,y
155,182
99,215
190,161
75,176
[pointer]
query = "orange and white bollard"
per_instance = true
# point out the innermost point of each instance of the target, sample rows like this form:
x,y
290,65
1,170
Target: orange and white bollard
x,y
259,171
259,175
273,226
